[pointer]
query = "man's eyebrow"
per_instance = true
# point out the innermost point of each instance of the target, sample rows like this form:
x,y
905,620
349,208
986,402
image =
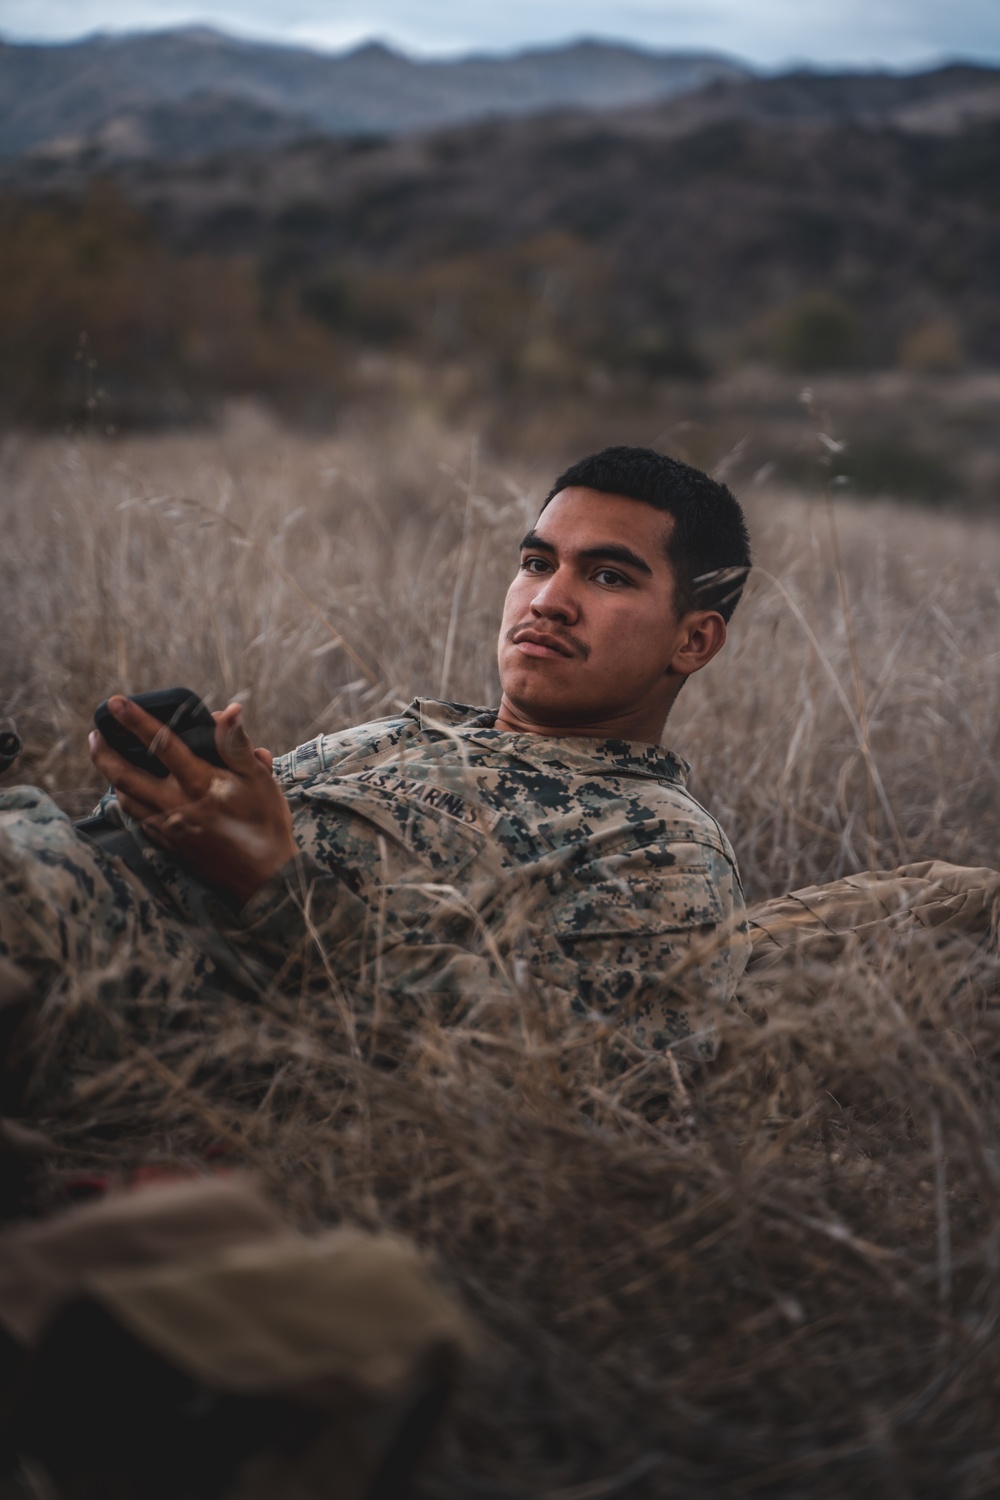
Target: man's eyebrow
x,y
610,551
614,552
538,542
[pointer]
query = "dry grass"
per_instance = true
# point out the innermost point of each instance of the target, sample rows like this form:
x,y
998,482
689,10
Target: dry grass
x,y
781,1280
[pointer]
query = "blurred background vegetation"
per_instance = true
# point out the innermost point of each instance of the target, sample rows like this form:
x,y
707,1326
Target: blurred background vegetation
x,y
673,271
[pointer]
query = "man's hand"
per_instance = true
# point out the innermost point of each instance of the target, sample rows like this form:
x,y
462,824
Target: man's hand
x,y
233,828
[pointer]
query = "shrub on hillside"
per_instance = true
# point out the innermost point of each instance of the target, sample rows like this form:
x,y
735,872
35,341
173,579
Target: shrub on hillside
x,y
817,332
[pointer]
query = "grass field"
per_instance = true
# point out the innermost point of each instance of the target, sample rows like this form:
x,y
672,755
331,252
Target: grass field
x,y
788,1281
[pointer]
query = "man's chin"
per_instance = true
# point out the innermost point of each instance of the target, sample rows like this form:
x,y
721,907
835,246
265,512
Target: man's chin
x,y
531,706
538,680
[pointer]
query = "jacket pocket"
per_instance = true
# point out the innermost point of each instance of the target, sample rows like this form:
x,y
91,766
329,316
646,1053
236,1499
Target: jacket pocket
x,y
630,908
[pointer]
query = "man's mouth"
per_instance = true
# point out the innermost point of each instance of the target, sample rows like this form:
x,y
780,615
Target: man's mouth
x,y
543,643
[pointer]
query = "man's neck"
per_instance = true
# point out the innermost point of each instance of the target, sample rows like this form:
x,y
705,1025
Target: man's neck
x,y
644,727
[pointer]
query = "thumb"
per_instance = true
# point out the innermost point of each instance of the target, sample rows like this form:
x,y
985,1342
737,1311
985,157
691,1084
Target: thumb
x,y
232,741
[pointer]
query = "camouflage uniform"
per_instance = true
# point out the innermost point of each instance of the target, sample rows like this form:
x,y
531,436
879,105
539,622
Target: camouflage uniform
x,y
441,859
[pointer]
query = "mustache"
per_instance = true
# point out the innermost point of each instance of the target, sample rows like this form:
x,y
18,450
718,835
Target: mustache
x,y
570,644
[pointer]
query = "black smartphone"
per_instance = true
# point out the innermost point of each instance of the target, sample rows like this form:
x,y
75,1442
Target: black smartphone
x,y
178,708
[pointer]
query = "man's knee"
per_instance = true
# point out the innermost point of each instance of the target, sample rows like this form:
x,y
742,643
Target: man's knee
x,y
32,803
61,903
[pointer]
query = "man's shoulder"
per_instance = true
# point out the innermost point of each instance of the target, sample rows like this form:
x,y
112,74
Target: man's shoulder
x,y
658,810
361,743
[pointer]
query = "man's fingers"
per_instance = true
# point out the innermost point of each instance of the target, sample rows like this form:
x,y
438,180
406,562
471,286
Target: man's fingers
x,y
151,791
190,770
142,812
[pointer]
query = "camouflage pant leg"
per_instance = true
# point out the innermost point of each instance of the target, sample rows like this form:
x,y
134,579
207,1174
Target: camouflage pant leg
x,y
820,920
87,955
66,908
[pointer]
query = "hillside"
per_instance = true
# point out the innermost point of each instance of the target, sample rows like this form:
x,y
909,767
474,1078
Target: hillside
x,y
193,90
572,269
693,217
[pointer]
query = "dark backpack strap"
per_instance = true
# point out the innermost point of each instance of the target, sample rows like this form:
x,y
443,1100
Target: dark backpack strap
x,y
112,839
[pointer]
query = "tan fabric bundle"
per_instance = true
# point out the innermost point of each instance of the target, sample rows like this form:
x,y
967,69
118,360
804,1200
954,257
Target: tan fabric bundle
x,y
199,1293
819,919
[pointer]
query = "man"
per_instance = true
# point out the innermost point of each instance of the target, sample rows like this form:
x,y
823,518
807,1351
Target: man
x,y
448,853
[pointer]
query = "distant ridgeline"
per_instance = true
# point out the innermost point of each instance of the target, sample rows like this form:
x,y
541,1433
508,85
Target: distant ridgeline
x,y
193,90
185,217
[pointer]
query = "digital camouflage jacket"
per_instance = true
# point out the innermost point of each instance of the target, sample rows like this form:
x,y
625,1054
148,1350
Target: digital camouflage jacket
x,y
436,848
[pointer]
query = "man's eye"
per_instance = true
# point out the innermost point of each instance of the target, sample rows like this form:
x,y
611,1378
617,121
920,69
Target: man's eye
x,y
610,578
534,564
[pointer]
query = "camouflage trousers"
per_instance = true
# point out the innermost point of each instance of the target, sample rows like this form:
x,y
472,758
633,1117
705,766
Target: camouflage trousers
x,y
67,908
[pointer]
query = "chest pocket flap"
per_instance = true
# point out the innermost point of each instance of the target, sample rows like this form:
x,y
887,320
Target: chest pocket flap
x,y
630,907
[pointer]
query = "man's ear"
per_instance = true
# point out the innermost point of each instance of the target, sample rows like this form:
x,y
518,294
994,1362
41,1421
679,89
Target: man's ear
x,y
702,636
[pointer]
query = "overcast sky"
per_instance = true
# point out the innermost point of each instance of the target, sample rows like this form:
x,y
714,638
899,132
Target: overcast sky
x,y
899,33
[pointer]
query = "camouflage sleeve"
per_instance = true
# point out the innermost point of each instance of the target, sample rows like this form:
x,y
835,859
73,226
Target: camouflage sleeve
x,y
301,908
657,942
307,927
661,947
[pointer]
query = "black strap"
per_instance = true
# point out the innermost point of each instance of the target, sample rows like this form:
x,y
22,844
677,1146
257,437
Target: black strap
x,y
112,839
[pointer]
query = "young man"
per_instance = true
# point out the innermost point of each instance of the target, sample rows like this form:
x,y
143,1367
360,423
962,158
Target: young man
x,y
447,853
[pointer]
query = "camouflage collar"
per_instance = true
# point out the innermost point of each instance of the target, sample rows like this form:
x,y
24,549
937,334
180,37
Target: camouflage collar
x,y
565,752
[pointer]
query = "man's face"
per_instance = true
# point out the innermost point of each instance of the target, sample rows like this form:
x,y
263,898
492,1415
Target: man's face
x,y
589,634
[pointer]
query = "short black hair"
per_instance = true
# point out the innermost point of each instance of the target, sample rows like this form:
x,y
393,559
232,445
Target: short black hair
x,y
708,545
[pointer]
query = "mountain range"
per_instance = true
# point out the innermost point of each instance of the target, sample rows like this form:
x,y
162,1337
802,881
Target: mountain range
x,y
215,242
191,90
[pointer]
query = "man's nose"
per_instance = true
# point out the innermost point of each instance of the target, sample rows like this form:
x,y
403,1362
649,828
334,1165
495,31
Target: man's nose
x,y
555,598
